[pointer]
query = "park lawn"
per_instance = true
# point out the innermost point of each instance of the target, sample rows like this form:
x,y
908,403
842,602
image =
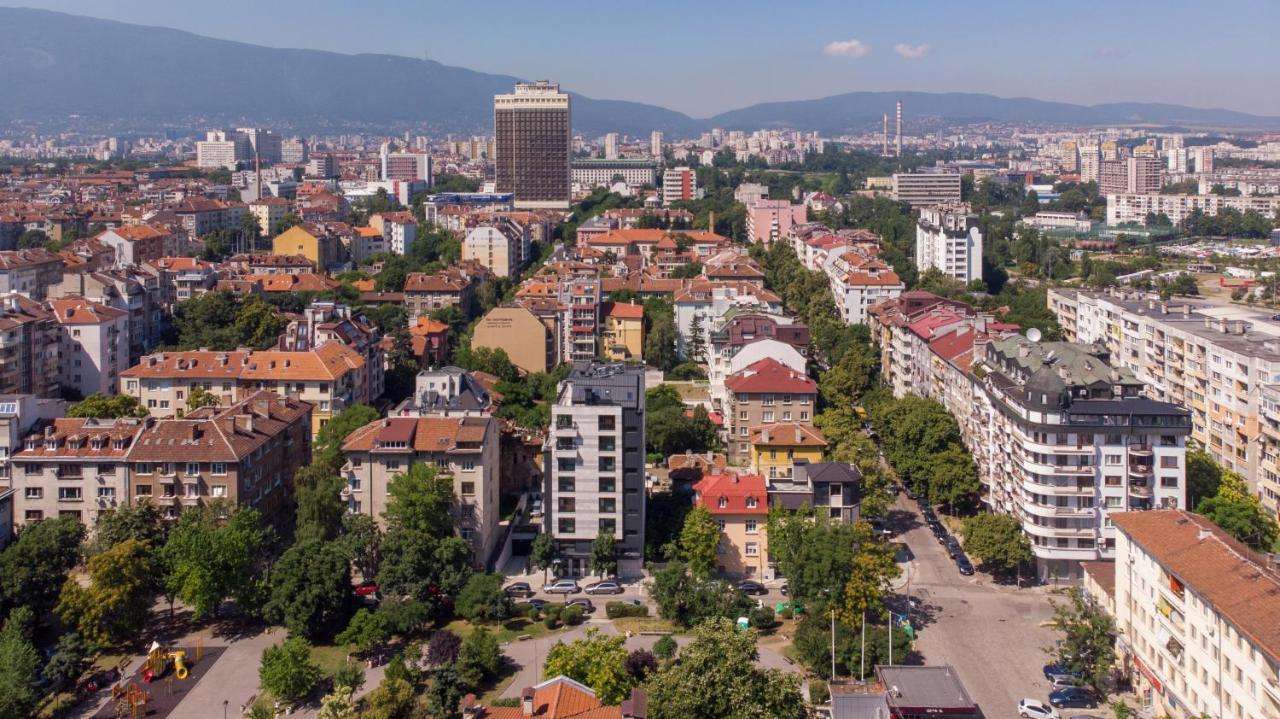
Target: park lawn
x,y
507,630
636,625
329,657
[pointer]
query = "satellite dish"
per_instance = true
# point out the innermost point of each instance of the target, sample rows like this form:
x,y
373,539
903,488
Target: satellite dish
x,y
1033,334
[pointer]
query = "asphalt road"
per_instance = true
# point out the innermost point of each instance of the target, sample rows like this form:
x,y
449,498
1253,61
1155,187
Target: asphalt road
x,y
992,634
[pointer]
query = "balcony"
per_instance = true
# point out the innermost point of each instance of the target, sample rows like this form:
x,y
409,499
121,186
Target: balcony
x,y
1140,489
1272,688
1140,450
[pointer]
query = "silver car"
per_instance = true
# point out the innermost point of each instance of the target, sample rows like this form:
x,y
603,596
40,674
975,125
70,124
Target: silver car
x,y
562,586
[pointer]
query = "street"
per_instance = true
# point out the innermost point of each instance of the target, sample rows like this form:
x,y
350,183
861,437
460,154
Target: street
x,y
994,635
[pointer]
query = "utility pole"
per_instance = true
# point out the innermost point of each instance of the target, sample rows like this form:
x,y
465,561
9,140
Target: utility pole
x,y
833,643
862,663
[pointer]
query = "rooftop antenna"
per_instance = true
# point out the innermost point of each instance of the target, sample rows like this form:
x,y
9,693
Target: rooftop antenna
x,y
1033,334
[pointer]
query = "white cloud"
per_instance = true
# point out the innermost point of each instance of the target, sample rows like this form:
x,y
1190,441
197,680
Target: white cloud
x,y
911,52
846,48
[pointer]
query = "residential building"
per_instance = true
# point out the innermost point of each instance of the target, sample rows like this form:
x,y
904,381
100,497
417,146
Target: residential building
x,y
268,211
529,343
579,319
923,189
639,172
29,272
400,229
771,220
739,503
1196,615
19,416
748,193
655,143
310,241
454,286
766,392
1122,208
777,447
405,166
534,143
326,321
859,281
135,244
948,238
222,150
1220,361
465,449
498,245
705,304
246,454
743,338
74,468
558,698
446,392
1144,175
182,278
831,489
135,291
594,465
679,183
622,336
200,216
94,345
29,341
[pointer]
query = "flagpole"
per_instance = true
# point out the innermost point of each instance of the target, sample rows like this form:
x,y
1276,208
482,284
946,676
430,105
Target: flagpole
x,y
862,663
891,637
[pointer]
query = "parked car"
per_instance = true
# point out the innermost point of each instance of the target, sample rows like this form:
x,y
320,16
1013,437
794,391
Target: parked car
x,y
783,589
964,565
952,546
562,586
540,604
519,590
752,588
603,588
1075,697
1055,672
367,590
583,602
535,509
1036,709
879,527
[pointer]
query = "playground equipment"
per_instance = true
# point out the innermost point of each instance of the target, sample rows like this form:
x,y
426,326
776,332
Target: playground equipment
x,y
130,699
157,663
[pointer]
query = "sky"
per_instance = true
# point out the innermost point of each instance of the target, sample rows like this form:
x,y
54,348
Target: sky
x,y
702,57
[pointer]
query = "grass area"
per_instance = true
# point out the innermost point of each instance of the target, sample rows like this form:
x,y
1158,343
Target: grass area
x,y
329,657
636,625
506,631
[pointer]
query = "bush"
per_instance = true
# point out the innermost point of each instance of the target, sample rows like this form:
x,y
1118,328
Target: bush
x,y
348,678
443,648
552,618
665,647
617,610
819,692
532,612
762,617
641,663
573,615
482,599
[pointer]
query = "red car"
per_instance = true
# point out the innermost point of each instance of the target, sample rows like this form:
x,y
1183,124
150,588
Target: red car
x,y
366,589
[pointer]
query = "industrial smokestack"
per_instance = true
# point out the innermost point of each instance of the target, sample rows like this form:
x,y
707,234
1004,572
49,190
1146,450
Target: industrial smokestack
x,y
898,145
884,136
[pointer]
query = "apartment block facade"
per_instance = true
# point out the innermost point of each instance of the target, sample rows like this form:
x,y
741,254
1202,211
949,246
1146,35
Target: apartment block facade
x,y
594,465
948,239
532,126
739,503
764,393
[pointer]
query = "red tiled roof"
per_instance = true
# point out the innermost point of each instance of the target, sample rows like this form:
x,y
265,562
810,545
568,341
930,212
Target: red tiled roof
x,y
770,375
558,698
622,310
787,434
735,490
422,434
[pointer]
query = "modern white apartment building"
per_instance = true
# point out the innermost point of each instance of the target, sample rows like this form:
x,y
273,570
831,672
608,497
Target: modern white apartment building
x,y
948,238
221,149
1122,208
922,189
602,173
594,465
611,146
1197,617
94,346
655,143
859,281
1220,361
679,183
496,245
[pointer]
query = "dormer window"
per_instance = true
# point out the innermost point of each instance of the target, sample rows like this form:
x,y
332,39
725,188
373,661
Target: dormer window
x,y
51,444
751,502
29,444
96,443
73,444
723,502
118,444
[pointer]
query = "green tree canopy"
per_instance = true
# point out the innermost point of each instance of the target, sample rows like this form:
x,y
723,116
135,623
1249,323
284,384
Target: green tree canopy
x,y
1204,476
1087,647
287,670
19,666
997,541
141,521
114,608
598,661
34,567
311,589
700,542
420,500
604,554
101,406
482,599
213,554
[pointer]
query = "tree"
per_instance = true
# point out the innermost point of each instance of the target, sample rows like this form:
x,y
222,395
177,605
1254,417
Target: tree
x,y
317,496
597,661
70,659
443,648
331,436
641,664
665,647
367,630
212,554
200,397
997,541
1244,519
700,542
482,599
420,500
695,350
418,565
688,601
362,541
1087,646
100,406
1204,476
870,573
287,670
850,377
348,678
604,554
715,678
542,552
19,663
479,657
393,699
32,239
311,589
953,477
141,521
113,609
337,706
445,692
34,567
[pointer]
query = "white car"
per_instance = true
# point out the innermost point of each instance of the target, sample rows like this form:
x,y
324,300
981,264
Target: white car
x,y
1036,709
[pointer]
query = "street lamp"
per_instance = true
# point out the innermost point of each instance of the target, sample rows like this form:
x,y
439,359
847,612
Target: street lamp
x,y
225,702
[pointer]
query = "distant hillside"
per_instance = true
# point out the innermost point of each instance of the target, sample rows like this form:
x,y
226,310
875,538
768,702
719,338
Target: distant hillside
x,y
53,65
841,112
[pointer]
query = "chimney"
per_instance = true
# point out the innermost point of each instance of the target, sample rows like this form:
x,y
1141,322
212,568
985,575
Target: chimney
x,y
799,436
1204,534
764,436
526,701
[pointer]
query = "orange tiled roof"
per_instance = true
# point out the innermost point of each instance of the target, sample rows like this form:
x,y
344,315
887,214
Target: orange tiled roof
x,y
787,434
79,311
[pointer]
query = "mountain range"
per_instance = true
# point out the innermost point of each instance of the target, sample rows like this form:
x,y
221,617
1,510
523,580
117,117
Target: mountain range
x,y
53,65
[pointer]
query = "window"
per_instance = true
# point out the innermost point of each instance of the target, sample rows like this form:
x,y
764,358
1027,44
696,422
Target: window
x,y
766,416
608,485
751,502
565,484
752,549
468,465
565,464
608,464
1168,481
786,416
106,492
30,469
143,468
218,490
564,421
752,526
608,525
193,469
565,504
34,493
192,489
1112,481
393,464
1168,462
1113,459
69,494
33,515
608,505
608,444
608,423
566,526
468,488
142,490
219,467
722,502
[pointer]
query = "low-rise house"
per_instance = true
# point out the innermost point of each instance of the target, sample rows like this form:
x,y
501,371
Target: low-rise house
x,y
775,448
764,393
429,340
454,286
830,489
135,244
559,698
463,448
740,505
